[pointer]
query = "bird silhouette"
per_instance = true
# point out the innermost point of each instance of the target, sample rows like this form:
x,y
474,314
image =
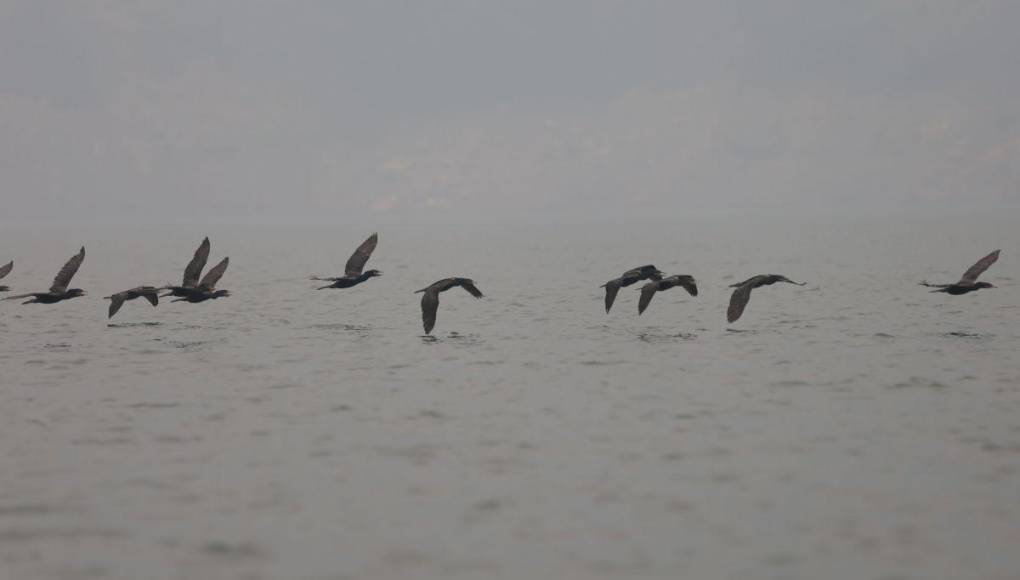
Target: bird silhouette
x,y
150,293
629,277
355,264
968,283
648,290
58,290
430,300
743,292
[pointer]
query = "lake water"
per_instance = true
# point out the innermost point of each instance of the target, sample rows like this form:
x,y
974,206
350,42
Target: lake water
x,y
858,427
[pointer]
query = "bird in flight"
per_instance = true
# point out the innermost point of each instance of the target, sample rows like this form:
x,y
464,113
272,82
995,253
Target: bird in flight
x,y
629,277
968,283
150,293
743,292
4,271
355,264
430,300
58,290
648,290
194,290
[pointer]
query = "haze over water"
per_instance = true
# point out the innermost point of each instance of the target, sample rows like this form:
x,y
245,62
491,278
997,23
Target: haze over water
x,y
858,427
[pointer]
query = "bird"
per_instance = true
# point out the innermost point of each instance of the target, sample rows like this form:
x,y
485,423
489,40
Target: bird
x,y
191,272
206,289
430,300
150,293
629,277
648,290
355,264
4,271
58,290
968,283
743,292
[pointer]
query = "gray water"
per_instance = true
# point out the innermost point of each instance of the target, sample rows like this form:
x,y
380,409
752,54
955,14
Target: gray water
x,y
856,427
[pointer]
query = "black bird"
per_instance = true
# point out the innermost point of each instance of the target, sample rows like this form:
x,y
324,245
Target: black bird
x,y
206,289
191,272
4,271
355,264
150,293
743,292
58,290
648,290
969,281
629,277
430,301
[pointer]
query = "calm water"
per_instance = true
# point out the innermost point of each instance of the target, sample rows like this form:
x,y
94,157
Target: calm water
x,y
858,427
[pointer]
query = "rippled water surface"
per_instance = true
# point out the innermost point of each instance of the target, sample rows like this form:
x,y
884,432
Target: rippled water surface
x,y
856,427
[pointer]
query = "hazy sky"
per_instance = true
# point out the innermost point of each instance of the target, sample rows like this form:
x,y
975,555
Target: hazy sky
x,y
326,110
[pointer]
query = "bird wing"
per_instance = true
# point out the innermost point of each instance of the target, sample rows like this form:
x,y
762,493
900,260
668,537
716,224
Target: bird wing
x,y
356,263
971,275
469,285
65,274
429,307
647,292
612,288
194,268
737,302
116,301
688,283
214,274
150,294
6,269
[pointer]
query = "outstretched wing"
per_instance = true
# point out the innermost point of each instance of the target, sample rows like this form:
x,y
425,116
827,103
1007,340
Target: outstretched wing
x,y
150,294
116,301
469,285
612,288
356,263
688,283
737,302
214,274
63,278
647,292
971,275
194,268
6,269
429,307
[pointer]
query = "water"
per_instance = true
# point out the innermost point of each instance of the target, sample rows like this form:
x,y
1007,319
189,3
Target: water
x,y
858,427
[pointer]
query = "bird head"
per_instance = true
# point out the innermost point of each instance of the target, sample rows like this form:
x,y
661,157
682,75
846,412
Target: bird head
x,y
75,292
984,285
373,273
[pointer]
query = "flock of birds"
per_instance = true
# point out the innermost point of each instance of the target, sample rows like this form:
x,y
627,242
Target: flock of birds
x,y
197,288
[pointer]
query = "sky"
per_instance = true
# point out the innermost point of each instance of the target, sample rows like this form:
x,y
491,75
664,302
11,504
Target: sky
x,y
384,110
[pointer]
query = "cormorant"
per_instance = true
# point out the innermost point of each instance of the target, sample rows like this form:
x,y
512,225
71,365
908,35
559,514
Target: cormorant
x,y
4,271
352,271
191,272
968,283
430,301
743,292
150,293
58,290
649,289
206,289
629,277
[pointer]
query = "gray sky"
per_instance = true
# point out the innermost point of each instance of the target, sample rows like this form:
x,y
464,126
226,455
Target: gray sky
x,y
247,109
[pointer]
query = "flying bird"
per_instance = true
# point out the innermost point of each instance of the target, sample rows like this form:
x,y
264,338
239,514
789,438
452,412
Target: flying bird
x,y
629,277
58,290
648,290
150,293
191,272
968,283
206,289
4,271
743,292
355,264
430,301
